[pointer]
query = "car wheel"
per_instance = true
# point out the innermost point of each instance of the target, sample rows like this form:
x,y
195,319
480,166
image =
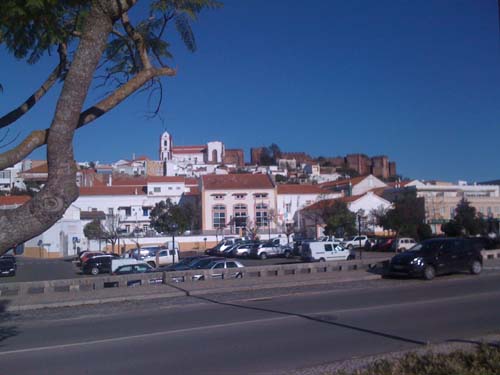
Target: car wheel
x,y
263,256
351,257
429,272
350,247
476,267
94,271
288,254
322,259
244,255
239,276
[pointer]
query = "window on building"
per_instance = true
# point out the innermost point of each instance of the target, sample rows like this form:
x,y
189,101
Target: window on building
x,y
219,216
157,189
145,211
128,211
239,196
288,208
111,211
261,195
240,216
218,196
127,228
261,219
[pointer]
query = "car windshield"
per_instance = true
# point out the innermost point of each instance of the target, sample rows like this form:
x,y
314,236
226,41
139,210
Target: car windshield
x,y
427,246
349,238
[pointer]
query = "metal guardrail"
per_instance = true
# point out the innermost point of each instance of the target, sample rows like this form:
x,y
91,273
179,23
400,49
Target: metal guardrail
x,y
270,271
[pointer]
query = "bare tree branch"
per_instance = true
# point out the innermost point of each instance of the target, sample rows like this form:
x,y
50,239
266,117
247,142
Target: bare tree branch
x,y
138,40
38,138
20,111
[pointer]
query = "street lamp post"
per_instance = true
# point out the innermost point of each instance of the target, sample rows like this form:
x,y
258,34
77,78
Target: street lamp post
x,y
174,228
359,213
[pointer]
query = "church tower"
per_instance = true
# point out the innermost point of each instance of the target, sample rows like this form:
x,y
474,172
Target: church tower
x,y
166,147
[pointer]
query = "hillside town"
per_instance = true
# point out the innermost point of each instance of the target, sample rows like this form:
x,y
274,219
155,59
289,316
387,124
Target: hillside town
x,y
274,194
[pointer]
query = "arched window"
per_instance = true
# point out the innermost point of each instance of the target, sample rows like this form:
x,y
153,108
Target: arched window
x,y
219,216
214,155
240,216
261,211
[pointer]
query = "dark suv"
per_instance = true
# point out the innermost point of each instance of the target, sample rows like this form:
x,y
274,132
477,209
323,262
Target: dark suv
x,y
438,256
98,264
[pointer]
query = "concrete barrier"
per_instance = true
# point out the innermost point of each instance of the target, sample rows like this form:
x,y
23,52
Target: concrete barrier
x,y
88,284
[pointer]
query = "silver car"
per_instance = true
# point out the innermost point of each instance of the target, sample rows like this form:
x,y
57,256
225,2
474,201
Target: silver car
x,y
217,270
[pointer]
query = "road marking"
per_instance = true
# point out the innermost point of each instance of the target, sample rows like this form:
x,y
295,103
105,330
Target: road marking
x,y
141,336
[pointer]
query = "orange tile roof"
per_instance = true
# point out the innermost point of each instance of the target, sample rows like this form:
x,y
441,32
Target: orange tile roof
x,y
301,189
11,200
188,149
191,181
237,181
124,180
44,168
165,179
112,190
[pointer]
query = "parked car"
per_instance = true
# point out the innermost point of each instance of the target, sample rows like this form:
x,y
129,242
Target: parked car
x,y
354,242
438,256
97,264
383,245
87,255
271,249
149,255
185,263
10,257
133,268
217,268
403,244
245,249
7,267
322,251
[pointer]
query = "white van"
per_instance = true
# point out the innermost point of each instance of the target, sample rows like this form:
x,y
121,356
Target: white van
x,y
324,251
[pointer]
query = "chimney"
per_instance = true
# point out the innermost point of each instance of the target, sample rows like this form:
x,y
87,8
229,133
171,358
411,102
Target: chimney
x,y
135,191
110,180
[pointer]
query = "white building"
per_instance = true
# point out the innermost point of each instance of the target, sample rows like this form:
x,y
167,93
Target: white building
x,y
232,203
291,198
362,205
442,198
354,186
190,161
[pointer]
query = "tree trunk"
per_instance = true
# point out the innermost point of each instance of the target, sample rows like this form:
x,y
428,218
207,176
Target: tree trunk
x,y
48,206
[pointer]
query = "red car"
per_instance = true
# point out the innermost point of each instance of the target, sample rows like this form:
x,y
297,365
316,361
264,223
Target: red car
x,y
384,245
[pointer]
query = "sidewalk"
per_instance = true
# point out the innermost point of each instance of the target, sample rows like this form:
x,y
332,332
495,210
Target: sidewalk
x,y
150,292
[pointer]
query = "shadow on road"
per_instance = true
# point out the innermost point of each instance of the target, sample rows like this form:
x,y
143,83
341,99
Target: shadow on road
x,y
304,316
6,331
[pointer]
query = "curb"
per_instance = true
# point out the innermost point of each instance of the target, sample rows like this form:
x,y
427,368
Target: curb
x,y
182,293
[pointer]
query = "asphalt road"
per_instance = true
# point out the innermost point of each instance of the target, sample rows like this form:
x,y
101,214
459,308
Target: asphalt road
x,y
33,269
245,335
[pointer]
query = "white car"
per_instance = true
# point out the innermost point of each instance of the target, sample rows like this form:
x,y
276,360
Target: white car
x,y
325,251
403,243
354,242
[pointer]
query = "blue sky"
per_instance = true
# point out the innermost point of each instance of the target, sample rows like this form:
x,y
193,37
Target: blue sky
x,y
418,81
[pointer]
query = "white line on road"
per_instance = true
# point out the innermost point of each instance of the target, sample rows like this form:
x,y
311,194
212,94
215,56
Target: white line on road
x,y
234,324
